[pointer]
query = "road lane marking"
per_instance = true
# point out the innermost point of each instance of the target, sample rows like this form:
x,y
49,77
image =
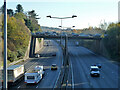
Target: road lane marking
x,y
19,87
72,75
37,87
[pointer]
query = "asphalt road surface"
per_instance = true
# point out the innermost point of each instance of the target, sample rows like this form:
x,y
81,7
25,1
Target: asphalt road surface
x,y
50,77
81,59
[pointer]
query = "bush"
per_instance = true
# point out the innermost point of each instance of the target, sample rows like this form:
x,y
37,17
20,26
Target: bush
x,y
20,53
12,56
112,41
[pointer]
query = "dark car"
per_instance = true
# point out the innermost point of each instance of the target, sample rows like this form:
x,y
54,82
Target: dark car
x,y
99,65
53,54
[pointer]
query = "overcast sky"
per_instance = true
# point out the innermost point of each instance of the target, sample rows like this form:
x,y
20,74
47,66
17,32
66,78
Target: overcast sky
x,y
89,12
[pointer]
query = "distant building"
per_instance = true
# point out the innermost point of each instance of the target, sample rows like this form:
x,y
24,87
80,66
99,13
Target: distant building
x,y
119,11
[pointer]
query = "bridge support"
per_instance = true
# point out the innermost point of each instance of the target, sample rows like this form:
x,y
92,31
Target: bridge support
x,y
97,46
61,40
32,46
82,43
66,49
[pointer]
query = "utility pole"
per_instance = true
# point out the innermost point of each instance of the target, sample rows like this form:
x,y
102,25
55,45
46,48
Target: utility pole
x,y
5,48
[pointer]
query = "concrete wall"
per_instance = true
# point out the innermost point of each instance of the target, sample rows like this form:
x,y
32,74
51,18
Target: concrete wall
x,y
27,52
39,45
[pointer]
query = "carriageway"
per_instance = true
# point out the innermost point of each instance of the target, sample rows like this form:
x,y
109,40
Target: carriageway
x,y
97,41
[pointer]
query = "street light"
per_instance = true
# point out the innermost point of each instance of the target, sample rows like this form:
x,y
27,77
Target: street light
x,y
61,17
5,47
67,27
74,16
49,16
38,18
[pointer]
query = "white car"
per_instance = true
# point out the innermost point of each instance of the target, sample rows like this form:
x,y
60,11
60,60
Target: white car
x,y
39,69
33,77
94,71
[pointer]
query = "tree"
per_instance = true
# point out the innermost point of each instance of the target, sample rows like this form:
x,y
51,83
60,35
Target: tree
x,y
90,28
19,8
2,8
32,14
112,40
32,22
111,25
19,16
103,26
10,12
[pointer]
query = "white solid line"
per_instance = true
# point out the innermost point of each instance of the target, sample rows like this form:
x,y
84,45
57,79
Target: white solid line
x,y
19,87
72,75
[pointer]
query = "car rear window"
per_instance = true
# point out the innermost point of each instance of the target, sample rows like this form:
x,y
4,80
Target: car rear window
x,y
94,69
30,77
53,65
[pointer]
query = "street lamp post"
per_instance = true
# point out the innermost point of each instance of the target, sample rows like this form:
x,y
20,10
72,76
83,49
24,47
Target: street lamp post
x,y
67,27
61,21
5,48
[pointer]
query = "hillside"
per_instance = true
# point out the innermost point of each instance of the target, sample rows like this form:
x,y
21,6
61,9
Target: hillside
x,y
18,36
19,28
52,29
45,29
91,31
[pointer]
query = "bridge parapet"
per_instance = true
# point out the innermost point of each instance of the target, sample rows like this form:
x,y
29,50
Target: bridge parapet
x,y
69,37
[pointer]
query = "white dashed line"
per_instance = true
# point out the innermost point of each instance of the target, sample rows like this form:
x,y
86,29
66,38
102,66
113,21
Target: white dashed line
x,y
19,87
37,87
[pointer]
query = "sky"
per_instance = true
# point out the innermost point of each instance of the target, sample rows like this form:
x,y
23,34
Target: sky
x,y
89,12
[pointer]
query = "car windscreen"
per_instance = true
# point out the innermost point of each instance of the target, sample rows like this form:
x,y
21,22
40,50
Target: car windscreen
x,y
30,77
94,69
54,65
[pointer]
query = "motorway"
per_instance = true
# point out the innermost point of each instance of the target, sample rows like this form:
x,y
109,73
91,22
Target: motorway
x,y
81,59
50,77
